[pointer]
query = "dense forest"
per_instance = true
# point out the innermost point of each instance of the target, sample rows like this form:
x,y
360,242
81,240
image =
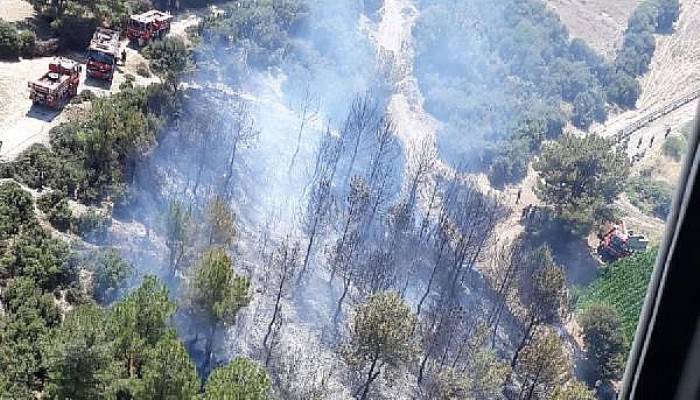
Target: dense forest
x,y
157,249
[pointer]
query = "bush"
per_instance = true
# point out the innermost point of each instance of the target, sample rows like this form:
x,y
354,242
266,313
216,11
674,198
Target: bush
x,y
668,13
86,95
49,200
675,147
74,32
510,163
92,226
623,89
142,70
604,339
589,106
169,58
45,48
650,196
110,274
60,216
16,209
10,40
27,41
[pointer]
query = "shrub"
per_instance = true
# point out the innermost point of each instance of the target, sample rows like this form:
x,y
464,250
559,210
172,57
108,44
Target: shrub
x,y
74,32
169,58
10,41
110,274
676,147
49,200
142,70
623,89
16,209
60,216
87,95
92,226
510,163
45,48
651,196
604,339
27,41
668,13
589,106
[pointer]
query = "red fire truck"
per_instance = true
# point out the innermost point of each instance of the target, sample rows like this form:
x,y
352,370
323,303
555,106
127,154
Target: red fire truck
x,y
58,85
617,242
102,54
145,27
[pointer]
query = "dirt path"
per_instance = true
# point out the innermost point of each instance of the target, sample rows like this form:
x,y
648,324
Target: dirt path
x,y
15,10
415,127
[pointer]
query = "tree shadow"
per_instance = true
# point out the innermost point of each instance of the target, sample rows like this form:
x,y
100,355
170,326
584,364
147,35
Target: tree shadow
x,y
40,26
569,250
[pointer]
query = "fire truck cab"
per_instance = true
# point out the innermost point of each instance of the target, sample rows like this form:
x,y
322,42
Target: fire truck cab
x,y
58,85
102,54
150,25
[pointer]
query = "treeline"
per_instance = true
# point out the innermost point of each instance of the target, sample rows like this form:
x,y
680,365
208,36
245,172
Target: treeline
x,y
500,80
56,338
638,45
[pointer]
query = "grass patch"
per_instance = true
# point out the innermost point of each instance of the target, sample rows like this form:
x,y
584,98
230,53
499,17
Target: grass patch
x,y
651,196
623,286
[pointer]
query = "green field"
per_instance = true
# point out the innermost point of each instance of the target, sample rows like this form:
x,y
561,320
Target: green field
x,y
622,285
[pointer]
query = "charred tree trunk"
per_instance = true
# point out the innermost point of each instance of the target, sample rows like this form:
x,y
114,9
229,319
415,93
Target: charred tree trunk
x,y
431,278
523,342
371,376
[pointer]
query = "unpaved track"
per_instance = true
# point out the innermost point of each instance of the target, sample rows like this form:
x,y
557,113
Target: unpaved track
x,y
417,129
414,126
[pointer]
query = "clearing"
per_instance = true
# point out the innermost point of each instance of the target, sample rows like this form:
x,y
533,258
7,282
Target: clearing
x,y
599,22
16,10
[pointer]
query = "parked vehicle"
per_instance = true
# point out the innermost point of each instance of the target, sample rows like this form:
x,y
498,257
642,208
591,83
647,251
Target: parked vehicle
x,y
150,25
103,54
618,243
58,85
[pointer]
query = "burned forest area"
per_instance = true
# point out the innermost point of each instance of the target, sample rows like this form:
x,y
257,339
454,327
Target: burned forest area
x,y
322,199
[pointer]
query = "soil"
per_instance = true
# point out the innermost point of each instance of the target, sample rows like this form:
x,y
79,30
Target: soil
x,y
599,22
16,10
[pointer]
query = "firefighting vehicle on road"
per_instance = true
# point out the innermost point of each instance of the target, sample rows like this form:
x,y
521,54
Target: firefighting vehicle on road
x,y
58,85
